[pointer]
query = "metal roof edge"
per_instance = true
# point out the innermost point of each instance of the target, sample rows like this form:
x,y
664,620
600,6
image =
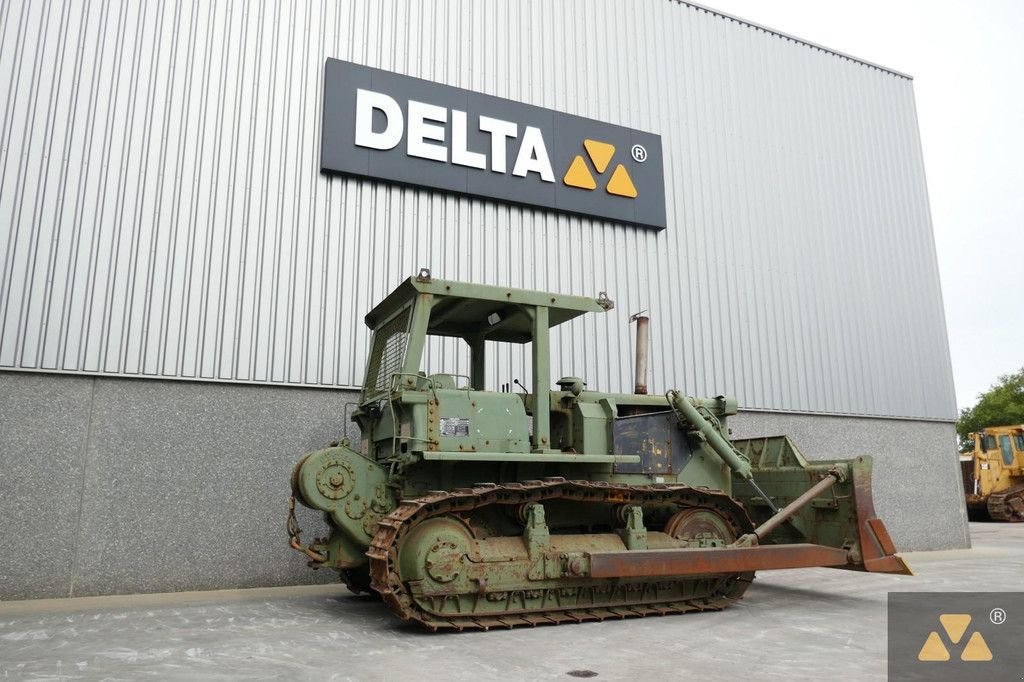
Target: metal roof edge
x,y
794,38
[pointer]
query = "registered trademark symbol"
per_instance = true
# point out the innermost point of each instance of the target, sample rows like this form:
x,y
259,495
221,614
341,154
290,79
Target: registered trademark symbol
x,y
997,616
639,153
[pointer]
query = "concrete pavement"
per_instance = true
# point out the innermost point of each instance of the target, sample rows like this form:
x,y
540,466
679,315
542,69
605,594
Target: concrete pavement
x,y
791,625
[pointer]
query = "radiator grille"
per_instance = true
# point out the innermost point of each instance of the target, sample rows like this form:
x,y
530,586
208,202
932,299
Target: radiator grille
x,y
387,354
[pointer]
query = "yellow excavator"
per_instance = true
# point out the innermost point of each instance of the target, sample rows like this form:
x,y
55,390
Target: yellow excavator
x,y
993,474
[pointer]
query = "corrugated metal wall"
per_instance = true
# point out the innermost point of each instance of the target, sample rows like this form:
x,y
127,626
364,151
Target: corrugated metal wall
x,y
162,212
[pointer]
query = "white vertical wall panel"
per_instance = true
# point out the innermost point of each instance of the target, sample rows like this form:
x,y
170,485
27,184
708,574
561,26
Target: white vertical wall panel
x,y
162,213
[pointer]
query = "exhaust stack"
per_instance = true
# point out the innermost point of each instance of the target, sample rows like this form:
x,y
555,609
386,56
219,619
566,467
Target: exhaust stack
x,y
643,344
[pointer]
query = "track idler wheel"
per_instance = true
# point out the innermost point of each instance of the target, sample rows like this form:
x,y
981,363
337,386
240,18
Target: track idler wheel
x,y
701,528
436,551
705,527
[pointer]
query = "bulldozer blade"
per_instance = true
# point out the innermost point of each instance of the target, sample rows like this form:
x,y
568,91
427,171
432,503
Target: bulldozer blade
x,y
878,552
841,517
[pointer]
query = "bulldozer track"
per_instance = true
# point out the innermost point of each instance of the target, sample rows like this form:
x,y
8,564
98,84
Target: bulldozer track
x,y
607,599
1007,505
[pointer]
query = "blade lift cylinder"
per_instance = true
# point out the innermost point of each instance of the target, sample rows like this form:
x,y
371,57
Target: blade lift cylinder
x,y
689,415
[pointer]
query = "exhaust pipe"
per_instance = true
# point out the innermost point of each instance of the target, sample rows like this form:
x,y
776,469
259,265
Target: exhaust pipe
x,y
643,344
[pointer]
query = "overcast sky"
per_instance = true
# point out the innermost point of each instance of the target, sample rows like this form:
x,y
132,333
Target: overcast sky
x,y
967,60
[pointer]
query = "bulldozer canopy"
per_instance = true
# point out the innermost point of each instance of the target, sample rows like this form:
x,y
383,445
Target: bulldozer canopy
x,y
499,313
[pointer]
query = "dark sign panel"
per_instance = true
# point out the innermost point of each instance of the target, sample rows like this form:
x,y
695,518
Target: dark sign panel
x,y
379,124
955,636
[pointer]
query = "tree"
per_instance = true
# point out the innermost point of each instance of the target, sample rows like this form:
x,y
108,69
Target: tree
x,y
1001,405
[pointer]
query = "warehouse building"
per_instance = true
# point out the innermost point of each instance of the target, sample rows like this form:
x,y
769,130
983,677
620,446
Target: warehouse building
x,y
200,201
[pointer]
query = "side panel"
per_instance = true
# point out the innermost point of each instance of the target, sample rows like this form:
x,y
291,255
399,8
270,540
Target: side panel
x,y
662,446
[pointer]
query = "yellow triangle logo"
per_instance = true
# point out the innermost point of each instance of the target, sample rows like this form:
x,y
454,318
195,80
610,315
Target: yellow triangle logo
x,y
955,625
620,183
976,649
578,175
933,649
600,153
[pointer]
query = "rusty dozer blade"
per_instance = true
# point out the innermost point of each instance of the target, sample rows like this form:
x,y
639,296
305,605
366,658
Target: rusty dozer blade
x,y
795,503
833,500
866,546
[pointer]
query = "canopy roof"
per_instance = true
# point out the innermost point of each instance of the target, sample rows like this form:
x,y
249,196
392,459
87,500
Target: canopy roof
x,y
462,309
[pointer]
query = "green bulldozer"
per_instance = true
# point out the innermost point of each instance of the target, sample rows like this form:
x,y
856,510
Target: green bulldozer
x,y
467,508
